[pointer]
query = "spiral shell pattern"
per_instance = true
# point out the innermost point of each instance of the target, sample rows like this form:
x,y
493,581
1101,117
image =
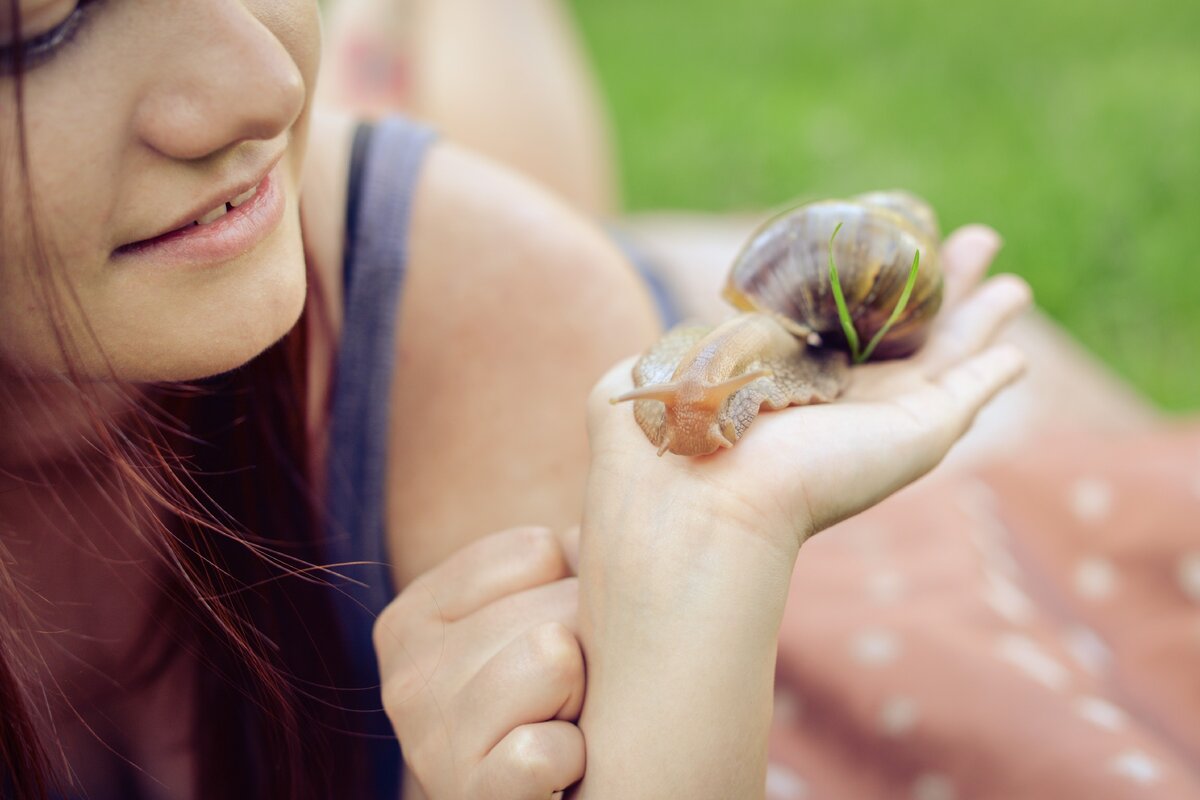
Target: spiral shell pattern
x,y
784,269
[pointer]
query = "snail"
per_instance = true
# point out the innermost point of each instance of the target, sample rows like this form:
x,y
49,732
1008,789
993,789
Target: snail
x,y
814,284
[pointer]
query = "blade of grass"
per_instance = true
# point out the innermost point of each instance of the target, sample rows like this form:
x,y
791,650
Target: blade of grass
x,y
896,312
840,299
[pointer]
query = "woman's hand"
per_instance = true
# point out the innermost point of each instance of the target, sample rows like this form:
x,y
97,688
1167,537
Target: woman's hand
x,y
482,672
686,562
800,470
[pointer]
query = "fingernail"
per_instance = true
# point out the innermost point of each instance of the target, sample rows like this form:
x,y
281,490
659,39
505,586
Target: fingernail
x,y
994,240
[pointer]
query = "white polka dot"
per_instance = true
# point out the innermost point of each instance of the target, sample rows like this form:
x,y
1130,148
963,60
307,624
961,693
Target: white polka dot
x,y
886,587
1137,767
977,496
787,707
875,647
932,786
996,555
1023,653
1095,578
988,533
1088,649
1091,499
898,715
1100,712
1189,575
784,784
1006,599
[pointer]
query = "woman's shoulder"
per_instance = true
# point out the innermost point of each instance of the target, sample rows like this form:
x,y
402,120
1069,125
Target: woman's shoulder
x,y
540,253
514,306
511,306
461,200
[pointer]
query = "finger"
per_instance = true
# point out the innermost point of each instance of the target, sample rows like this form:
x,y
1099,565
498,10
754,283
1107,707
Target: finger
x,y
570,545
537,677
972,325
492,567
532,762
412,656
929,421
966,255
506,618
496,566
974,382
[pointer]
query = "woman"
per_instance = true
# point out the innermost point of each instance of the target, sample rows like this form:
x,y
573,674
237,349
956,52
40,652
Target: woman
x,y
168,216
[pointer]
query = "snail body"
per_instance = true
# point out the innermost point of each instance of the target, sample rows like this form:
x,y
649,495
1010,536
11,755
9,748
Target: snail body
x,y
699,388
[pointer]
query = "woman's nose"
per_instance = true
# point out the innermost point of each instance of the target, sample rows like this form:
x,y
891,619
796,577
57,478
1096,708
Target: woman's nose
x,y
228,79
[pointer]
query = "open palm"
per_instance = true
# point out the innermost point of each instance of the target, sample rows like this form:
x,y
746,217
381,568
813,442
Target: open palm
x,y
800,470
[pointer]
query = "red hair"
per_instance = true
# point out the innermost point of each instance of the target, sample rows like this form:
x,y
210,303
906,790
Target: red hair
x,y
216,477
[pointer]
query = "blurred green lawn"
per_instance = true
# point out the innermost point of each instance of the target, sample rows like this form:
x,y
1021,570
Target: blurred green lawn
x,y
1072,127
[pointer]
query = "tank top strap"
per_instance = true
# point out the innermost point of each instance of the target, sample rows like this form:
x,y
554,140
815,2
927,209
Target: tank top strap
x,y
385,165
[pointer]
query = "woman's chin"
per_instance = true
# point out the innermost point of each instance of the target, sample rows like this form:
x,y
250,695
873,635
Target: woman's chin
x,y
207,336
234,344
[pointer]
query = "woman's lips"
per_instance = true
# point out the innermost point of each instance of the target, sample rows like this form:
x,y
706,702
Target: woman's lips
x,y
236,232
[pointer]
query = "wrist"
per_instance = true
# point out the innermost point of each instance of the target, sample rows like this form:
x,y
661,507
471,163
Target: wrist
x,y
646,579
680,666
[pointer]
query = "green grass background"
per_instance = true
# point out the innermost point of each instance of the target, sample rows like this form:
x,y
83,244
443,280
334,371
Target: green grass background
x,y
1072,127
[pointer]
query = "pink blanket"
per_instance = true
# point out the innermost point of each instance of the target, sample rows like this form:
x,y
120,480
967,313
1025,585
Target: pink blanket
x,y
1030,630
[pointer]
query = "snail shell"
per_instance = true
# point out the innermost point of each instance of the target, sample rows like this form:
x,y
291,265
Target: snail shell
x,y
784,269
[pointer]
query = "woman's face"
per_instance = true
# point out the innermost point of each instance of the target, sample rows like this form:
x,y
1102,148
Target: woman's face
x,y
146,116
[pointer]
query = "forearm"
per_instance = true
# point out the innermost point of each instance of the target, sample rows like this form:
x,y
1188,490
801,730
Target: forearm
x,y
680,662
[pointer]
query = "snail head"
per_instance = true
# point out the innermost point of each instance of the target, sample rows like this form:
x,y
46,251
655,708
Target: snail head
x,y
693,424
